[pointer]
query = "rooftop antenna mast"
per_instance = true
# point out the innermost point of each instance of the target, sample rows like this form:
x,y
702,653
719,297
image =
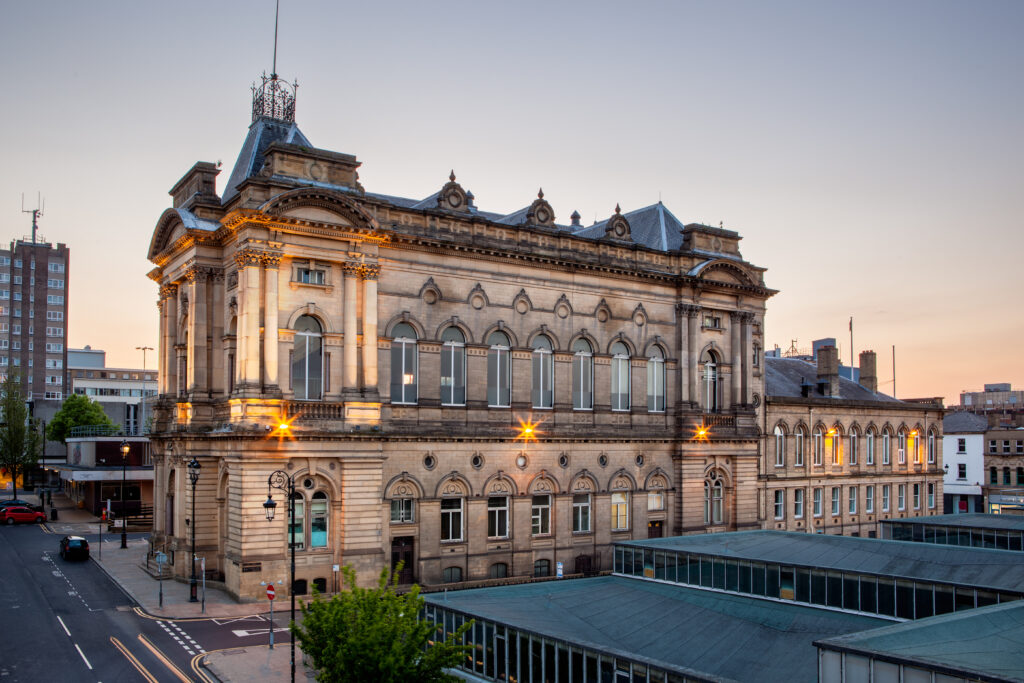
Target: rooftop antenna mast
x,y
36,213
277,11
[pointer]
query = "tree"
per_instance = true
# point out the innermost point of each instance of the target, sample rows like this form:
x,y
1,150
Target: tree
x,y
20,437
375,634
77,411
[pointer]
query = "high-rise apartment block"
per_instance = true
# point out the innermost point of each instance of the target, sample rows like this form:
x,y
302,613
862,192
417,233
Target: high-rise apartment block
x,y
33,318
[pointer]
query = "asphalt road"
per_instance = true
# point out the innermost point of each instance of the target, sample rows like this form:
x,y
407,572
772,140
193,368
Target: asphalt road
x,y
67,621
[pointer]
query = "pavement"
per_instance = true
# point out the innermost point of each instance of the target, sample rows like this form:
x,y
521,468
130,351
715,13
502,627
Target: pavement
x,y
125,568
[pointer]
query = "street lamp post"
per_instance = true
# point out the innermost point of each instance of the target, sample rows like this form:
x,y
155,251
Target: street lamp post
x,y
281,481
193,476
125,448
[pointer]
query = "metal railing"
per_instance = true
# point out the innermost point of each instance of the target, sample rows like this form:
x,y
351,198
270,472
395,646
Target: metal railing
x,y
107,430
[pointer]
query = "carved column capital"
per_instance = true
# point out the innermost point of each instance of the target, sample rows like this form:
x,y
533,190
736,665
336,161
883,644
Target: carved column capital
x,y
271,259
248,257
689,310
369,271
168,291
350,268
747,318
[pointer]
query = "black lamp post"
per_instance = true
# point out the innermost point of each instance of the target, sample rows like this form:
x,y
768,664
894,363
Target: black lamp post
x,y
193,476
280,480
125,448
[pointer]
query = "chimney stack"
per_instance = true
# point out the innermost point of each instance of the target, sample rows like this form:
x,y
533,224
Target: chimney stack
x,y
868,374
828,370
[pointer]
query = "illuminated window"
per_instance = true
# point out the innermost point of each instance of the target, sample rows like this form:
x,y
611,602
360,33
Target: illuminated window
x,y
620,511
656,500
403,364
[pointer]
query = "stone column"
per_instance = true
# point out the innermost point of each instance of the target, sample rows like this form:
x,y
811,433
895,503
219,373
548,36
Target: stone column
x,y
161,354
197,331
692,324
687,341
748,332
737,361
248,354
350,378
369,275
271,324
170,338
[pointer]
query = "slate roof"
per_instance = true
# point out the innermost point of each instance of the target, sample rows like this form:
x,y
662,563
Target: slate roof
x,y
719,635
963,566
986,642
194,222
783,377
964,423
262,132
653,226
973,520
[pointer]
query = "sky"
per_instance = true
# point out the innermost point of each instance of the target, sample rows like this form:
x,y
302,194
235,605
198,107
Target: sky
x,y
869,153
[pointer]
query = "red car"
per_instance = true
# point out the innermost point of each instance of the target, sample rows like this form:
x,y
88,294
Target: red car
x,y
17,513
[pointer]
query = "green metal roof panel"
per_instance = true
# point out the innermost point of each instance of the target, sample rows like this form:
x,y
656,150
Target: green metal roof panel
x,y
721,635
986,642
974,520
958,565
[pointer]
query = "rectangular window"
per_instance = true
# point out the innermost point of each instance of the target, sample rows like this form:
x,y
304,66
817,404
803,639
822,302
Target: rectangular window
x,y
1020,447
901,497
5,277
931,449
713,322
853,449
886,448
15,328
54,315
309,276
817,502
296,533
55,284
53,394
1006,447
17,279
318,521
931,496
818,438
780,504
402,511
780,448
620,511
961,445
497,517
869,448
54,331
581,513
961,470
56,267
799,456
852,508
451,519
836,493
991,444
51,299
917,496
17,296
656,500
869,499
798,503
540,515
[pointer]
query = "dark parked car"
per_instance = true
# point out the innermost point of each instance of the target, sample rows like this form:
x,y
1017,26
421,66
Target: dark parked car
x,y
20,513
74,548
21,503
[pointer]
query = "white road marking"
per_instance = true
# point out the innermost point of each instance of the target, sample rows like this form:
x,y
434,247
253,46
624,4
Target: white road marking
x,y
225,622
64,627
83,657
242,633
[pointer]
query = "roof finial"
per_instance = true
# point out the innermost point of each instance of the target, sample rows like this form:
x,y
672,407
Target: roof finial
x,y
540,193
451,176
277,11
617,209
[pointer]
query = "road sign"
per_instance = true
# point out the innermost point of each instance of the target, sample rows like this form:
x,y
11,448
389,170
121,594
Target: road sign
x,y
270,592
161,558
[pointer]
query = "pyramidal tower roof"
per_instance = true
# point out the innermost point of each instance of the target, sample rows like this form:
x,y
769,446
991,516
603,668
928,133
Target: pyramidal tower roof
x,y
273,120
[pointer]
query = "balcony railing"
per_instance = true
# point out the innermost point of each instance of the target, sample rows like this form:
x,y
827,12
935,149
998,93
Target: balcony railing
x,y
107,430
306,411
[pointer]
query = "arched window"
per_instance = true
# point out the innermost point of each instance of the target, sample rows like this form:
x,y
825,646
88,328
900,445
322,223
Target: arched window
x,y
931,449
403,364
712,385
869,447
780,446
819,438
852,456
582,375
318,515
886,447
499,390
453,367
543,373
308,359
620,376
656,380
451,574
835,445
713,495
901,453
798,439
542,568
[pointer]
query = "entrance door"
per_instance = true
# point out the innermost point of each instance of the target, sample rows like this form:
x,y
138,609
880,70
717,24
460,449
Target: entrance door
x,y
401,551
583,564
654,529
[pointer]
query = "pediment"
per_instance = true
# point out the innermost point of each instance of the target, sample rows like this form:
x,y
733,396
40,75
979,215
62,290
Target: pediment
x,y
316,214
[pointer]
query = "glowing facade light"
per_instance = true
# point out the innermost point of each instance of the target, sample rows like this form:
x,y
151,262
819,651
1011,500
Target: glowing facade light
x,y
701,432
527,430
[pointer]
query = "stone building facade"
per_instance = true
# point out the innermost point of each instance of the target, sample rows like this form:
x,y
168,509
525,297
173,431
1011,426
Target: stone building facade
x,y
839,456
477,395
1003,488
